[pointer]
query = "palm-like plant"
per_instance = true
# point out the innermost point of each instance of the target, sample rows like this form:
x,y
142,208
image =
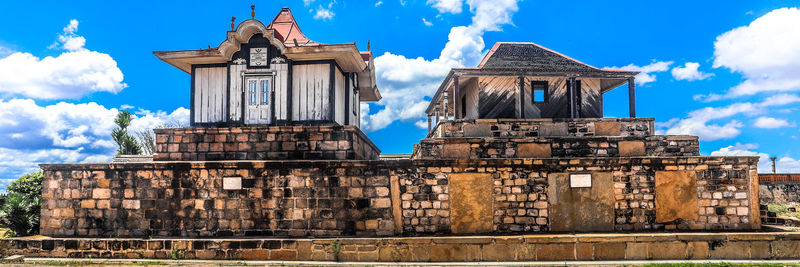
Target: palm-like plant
x,y
21,213
127,144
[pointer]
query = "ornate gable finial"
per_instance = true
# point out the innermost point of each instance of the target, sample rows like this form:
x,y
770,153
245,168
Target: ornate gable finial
x,y
253,11
233,19
367,45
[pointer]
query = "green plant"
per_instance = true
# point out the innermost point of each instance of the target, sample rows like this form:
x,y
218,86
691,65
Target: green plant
x,y
336,247
21,208
127,143
21,213
176,254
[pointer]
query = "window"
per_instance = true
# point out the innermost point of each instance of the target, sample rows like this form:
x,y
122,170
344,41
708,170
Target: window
x,y
251,84
464,106
265,91
539,92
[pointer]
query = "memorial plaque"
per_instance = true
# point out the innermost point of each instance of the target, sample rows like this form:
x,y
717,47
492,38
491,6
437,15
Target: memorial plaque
x,y
258,56
580,180
232,183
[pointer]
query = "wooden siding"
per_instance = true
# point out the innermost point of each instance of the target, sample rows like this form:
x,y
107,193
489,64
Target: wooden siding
x,y
498,97
339,95
210,94
470,90
281,84
236,92
310,90
557,104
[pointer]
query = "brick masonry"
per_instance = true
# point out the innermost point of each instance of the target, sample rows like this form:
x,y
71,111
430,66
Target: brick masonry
x,y
562,247
373,198
262,143
523,128
560,147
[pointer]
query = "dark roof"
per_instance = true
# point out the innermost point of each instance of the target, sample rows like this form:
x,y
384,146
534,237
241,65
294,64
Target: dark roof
x,y
531,57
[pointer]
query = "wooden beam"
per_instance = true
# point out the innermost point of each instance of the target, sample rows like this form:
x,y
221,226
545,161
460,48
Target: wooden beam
x,y
456,99
632,97
571,94
521,113
445,100
437,115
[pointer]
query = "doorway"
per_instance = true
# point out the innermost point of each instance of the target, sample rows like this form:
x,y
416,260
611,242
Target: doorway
x,y
258,96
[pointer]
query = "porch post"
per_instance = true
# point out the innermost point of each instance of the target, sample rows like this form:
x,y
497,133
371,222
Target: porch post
x,y
429,123
521,113
456,99
571,92
437,114
446,97
632,97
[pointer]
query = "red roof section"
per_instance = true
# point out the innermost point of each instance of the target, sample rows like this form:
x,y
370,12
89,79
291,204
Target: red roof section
x,y
778,177
287,30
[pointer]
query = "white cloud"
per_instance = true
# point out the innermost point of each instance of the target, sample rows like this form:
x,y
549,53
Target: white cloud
x,y
406,82
766,52
307,2
770,123
126,106
63,133
700,122
72,74
783,164
323,12
379,3
426,22
646,72
446,6
689,72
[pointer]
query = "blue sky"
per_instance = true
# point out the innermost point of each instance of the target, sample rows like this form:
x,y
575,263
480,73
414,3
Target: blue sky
x,y
725,72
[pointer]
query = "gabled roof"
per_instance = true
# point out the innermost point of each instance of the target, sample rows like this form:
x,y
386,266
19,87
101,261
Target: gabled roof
x,y
534,58
287,30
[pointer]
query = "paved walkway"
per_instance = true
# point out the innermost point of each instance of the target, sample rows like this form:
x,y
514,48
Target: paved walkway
x,y
140,262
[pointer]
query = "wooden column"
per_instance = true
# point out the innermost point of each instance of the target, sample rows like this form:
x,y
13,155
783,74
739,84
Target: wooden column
x,y
446,97
456,99
521,113
571,93
437,114
632,97
429,124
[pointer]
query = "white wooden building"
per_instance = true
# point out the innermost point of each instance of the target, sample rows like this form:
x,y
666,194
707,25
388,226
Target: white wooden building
x,y
274,75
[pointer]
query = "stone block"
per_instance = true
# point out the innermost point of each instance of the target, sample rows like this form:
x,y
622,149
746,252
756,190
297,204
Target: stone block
x,y
730,250
533,150
675,250
232,183
631,148
581,209
635,251
555,252
553,129
101,193
609,251
477,130
785,249
498,252
456,151
471,203
607,128
677,196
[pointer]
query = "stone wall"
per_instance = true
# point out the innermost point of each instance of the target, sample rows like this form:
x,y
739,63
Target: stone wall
x,y
779,193
190,199
412,197
521,128
560,147
262,143
561,247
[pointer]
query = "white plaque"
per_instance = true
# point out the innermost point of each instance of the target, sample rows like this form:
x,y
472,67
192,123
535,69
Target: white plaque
x,y
580,180
232,183
258,56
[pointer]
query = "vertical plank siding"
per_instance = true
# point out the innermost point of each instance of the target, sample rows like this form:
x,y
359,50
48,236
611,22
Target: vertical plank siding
x,y
210,94
497,97
281,85
339,91
310,91
236,91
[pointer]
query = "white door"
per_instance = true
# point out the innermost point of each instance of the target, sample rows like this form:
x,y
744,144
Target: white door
x,y
258,92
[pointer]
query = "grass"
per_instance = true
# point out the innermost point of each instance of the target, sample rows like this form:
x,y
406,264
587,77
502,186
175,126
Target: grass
x,y
6,233
721,264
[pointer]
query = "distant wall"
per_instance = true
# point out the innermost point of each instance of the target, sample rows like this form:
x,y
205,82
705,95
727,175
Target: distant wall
x,y
780,188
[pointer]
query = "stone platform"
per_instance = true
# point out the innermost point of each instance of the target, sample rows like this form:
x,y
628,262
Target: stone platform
x,y
563,247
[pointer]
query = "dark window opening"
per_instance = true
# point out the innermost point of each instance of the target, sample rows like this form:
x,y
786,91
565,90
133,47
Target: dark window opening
x,y
539,92
578,98
464,106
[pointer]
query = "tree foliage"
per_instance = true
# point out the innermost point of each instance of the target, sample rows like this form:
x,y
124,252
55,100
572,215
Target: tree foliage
x,y
21,208
127,144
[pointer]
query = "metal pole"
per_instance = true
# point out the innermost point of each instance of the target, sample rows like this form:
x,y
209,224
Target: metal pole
x,y
632,97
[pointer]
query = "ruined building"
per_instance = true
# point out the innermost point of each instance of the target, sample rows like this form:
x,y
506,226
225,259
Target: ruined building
x,y
517,144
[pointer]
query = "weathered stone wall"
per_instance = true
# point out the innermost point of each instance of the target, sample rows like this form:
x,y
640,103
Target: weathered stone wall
x,y
367,198
779,193
560,147
262,143
521,128
561,247
188,199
